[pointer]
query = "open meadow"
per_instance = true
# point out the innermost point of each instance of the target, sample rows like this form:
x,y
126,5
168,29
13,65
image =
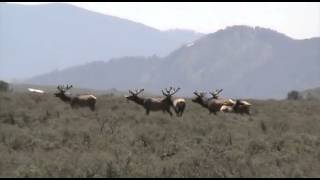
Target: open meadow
x,y
41,136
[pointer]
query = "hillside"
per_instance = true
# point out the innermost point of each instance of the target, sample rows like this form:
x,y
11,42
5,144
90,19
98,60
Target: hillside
x,y
311,93
36,39
246,62
250,62
43,137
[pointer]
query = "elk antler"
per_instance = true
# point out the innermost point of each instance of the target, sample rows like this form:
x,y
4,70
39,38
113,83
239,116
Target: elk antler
x,y
196,93
136,91
139,91
175,91
215,94
199,94
169,93
61,88
68,87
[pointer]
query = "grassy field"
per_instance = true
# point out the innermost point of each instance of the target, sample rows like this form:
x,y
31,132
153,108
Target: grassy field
x,y
40,136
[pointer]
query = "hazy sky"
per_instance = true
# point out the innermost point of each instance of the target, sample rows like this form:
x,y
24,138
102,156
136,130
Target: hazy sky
x,y
299,20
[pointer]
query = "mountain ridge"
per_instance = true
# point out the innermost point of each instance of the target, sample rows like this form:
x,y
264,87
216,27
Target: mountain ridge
x,y
56,36
252,62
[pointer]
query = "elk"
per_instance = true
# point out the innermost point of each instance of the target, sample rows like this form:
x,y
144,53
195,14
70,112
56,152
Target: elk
x,y
151,104
76,101
229,105
238,106
211,104
178,104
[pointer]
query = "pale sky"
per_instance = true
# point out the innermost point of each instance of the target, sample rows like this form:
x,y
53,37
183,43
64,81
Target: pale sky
x,y
298,20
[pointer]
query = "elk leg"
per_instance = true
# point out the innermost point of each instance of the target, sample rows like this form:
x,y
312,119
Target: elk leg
x,y
147,111
182,110
248,112
212,111
177,112
72,105
92,107
168,110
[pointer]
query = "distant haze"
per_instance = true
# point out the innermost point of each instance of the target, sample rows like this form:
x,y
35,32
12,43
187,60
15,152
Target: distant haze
x,y
298,20
41,38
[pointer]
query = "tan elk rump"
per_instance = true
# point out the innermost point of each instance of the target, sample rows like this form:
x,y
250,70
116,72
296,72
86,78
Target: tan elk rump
x,y
179,106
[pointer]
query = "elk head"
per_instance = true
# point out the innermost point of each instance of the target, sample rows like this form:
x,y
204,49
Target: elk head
x,y
168,93
61,92
199,97
134,95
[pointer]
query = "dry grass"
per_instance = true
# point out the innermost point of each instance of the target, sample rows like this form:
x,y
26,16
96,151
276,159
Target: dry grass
x,y
40,136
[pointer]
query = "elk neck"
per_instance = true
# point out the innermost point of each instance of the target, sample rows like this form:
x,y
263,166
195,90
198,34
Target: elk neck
x,y
139,100
65,98
204,101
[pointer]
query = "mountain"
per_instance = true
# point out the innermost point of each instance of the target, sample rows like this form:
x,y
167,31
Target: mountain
x,y
36,39
246,62
117,73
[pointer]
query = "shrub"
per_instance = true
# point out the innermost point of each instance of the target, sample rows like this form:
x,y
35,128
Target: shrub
x,y
4,86
294,95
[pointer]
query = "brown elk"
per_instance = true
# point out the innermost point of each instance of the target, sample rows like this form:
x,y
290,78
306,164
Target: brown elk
x,y
238,106
229,105
178,104
152,104
213,104
78,100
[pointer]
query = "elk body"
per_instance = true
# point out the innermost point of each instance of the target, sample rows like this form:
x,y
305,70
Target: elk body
x,y
238,106
229,105
178,104
152,104
78,100
213,104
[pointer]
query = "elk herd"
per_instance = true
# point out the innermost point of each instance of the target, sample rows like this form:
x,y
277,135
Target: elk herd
x,y
213,104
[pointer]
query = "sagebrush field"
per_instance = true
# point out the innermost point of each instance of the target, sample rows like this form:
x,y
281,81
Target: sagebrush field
x,y
41,136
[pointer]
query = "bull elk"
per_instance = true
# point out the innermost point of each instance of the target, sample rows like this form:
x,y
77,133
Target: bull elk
x,y
152,104
178,104
78,100
213,104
